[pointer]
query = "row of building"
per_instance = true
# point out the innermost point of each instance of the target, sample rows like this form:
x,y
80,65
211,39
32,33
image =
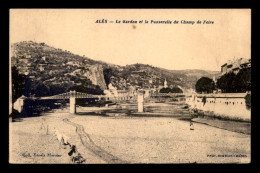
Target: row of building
x,y
132,91
235,65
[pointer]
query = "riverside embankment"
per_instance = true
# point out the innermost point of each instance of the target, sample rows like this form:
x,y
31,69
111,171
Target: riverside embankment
x,y
230,106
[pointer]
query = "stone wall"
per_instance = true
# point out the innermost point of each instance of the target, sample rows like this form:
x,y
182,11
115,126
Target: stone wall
x,y
230,105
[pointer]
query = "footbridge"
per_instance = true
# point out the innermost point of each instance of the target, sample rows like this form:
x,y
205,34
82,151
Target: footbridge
x,y
73,95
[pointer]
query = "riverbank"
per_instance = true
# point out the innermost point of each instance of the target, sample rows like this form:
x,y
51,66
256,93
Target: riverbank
x,y
116,137
223,122
162,140
233,126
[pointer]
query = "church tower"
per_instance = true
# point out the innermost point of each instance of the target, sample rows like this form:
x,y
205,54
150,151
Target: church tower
x,y
165,84
214,79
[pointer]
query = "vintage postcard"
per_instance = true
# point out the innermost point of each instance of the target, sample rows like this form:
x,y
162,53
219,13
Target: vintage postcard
x,y
130,86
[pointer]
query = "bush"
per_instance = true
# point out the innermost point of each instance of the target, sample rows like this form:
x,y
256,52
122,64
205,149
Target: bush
x,y
17,84
248,101
15,114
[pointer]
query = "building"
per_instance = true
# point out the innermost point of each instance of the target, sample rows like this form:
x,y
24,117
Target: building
x,y
121,94
245,63
42,67
44,58
18,104
235,65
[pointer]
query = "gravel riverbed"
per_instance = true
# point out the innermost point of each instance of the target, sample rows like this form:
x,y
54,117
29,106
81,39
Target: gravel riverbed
x,y
129,139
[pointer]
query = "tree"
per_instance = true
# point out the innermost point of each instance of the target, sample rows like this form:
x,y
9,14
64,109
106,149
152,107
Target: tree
x,y
56,89
242,81
27,87
205,84
165,90
222,84
41,90
17,84
248,101
231,83
169,90
107,75
176,90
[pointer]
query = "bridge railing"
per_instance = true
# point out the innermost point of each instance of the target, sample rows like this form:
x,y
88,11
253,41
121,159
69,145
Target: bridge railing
x,y
75,94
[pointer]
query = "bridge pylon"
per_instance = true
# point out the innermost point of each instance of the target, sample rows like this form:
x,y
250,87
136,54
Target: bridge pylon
x,y
140,101
73,102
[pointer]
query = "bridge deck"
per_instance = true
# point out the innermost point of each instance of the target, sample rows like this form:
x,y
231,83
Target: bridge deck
x,y
74,94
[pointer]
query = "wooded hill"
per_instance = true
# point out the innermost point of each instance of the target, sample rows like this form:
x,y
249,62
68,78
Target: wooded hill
x,y
60,70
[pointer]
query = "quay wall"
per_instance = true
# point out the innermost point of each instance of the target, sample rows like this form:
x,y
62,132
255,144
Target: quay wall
x,y
231,105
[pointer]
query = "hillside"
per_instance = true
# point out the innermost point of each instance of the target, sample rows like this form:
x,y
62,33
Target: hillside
x,y
55,70
197,73
60,70
147,76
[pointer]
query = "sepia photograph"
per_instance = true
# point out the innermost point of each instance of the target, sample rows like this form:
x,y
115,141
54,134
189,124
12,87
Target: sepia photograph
x,y
129,86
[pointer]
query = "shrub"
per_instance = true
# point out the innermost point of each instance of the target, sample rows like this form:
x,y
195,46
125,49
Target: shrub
x,y
14,114
248,101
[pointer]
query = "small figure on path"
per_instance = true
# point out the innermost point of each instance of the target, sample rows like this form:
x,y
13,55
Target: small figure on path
x,y
191,125
75,155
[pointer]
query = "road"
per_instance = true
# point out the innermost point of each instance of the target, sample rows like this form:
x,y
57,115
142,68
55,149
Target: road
x,y
126,139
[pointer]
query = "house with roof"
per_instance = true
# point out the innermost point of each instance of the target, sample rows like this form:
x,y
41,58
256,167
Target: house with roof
x,y
235,65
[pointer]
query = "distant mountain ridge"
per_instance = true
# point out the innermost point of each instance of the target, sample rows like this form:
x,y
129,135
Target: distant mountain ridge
x,y
53,66
148,73
197,72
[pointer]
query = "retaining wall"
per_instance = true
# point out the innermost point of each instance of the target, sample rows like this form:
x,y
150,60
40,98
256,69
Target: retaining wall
x,y
231,105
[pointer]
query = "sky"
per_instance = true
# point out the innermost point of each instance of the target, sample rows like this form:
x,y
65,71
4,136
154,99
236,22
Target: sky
x,y
171,46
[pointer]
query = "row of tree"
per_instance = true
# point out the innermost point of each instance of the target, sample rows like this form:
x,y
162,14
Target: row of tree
x,y
171,90
228,83
234,83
